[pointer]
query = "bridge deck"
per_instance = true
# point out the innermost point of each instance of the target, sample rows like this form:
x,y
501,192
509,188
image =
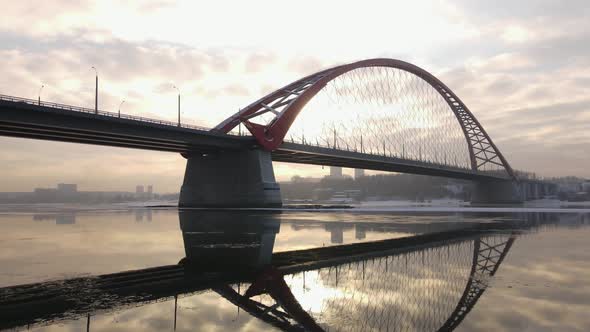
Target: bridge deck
x,y
27,120
47,121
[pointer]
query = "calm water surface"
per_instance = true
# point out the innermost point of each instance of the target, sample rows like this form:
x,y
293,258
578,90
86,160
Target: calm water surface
x,y
64,269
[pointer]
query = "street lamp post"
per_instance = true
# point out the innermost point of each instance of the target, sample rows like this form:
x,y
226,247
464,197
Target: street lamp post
x,y
39,99
177,89
95,91
121,104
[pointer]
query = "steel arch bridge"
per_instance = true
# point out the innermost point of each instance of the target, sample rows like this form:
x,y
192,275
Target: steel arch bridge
x,y
410,116
377,114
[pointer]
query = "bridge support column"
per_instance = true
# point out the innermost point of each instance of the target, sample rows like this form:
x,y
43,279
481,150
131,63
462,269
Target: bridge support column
x,y
230,179
497,192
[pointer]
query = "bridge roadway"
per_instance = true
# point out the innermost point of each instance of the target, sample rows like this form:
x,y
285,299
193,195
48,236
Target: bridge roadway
x,y
27,118
52,301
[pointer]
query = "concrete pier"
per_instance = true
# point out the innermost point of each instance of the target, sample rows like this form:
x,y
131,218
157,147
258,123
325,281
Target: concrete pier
x,y
230,179
217,240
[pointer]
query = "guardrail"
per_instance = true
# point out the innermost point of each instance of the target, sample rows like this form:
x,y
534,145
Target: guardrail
x,y
374,152
500,173
103,113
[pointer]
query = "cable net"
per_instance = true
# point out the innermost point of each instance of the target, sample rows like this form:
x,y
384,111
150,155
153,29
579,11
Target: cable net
x,y
382,111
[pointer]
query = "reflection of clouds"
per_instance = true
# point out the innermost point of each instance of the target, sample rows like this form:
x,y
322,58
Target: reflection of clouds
x,y
104,242
313,292
416,291
293,239
542,286
205,311
97,243
547,273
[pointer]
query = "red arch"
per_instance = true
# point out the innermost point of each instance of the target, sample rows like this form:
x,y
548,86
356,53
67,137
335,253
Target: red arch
x,y
296,95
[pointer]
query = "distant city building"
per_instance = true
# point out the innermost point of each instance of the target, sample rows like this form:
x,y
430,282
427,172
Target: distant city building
x,y
335,172
45,194
359,173
67,188
300,179
64,192
44,191
320,194
150,189
570,187
68,193
346,196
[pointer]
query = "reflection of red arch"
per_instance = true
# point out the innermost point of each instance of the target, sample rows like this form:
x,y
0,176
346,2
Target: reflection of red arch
x,y
487,257
271,282
295,96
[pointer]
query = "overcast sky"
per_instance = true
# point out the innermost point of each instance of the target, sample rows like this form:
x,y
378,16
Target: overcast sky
x,y
522,67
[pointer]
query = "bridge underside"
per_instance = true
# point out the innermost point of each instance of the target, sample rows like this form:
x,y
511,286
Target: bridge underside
x,y
46,123
245,178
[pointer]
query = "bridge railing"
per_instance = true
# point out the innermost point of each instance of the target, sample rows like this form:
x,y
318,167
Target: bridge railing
x,y
375,152
102,113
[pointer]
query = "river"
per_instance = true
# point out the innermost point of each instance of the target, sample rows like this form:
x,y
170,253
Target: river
x,y
152,269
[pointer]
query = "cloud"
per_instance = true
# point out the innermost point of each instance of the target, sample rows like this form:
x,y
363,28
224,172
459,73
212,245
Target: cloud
x,y
257,61
540,285
531,100
307,65
519,66
522,10
41,18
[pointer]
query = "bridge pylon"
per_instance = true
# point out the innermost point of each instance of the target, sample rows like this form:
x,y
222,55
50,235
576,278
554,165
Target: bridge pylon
x,y
230,179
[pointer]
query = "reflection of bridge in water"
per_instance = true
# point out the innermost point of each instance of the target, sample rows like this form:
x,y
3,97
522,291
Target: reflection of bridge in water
x,y
422,282
428,289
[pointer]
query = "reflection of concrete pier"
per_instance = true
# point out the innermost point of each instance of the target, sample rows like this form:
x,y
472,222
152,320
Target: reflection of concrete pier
x,y
336,232
228,239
